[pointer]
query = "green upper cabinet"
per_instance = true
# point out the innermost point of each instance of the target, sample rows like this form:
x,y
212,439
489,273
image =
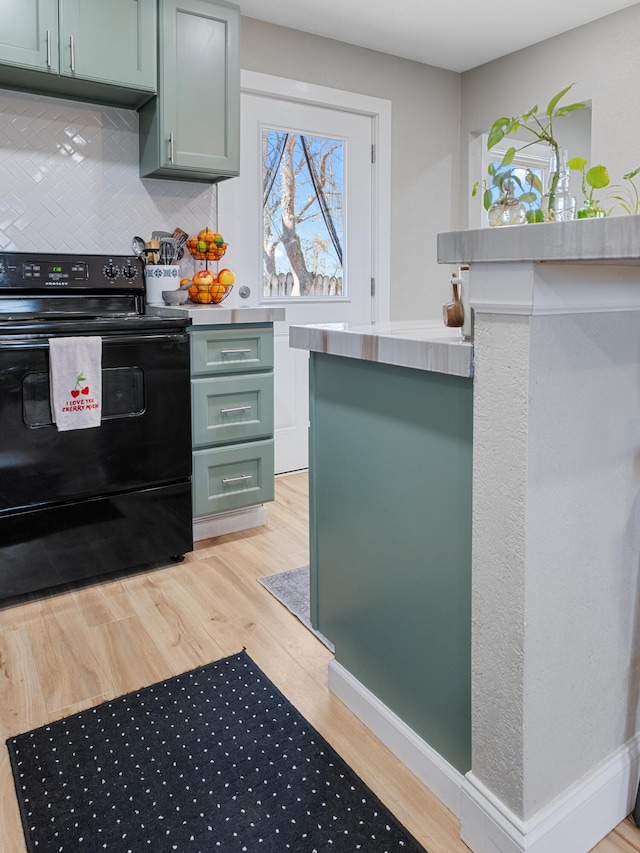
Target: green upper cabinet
x,y
29,34
94,50
109,41
191,131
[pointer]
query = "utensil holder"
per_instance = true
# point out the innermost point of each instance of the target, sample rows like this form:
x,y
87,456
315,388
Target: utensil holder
x,y
159,277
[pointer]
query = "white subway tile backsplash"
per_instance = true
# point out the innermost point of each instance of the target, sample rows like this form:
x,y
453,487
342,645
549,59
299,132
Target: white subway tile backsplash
x,y
69,180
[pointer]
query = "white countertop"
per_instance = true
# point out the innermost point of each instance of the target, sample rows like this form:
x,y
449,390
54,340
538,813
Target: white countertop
x,y
213,315
420,344
612,239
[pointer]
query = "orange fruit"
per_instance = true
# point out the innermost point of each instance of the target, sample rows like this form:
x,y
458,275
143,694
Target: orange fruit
x,y
185,281
204,234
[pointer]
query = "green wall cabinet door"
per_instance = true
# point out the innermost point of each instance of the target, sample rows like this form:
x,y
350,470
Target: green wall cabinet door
x,y
191,131
29,34
112,41
93,50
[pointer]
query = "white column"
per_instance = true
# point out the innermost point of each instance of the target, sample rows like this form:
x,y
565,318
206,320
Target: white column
x,y
556,550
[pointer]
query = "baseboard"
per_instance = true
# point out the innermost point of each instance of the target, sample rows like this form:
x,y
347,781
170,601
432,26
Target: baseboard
x,y
575,821
229,522
415,753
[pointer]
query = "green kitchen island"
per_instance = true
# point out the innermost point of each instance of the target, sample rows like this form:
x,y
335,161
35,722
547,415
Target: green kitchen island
x,y
390,523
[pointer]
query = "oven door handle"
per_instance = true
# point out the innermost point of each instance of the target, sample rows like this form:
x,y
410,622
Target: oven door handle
x,y
26,343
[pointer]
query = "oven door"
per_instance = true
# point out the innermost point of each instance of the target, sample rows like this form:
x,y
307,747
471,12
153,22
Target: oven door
x,y
144,439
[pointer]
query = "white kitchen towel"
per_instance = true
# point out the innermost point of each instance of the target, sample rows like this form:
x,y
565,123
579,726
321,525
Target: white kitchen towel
x,y
75,380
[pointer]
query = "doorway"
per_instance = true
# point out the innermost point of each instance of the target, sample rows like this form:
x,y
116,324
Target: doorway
x,y
278,114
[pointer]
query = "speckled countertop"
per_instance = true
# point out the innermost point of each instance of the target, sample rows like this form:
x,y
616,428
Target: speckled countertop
x,y
422,345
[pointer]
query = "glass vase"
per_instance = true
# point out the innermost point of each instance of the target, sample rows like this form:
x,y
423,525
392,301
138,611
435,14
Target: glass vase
x,y
591,209
558,204
507,210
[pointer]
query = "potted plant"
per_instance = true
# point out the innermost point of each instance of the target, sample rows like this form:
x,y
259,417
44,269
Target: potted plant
x,y
596,178
541,128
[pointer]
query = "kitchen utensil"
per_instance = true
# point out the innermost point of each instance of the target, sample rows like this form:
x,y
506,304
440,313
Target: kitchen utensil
x,y
153,251
452,312
168,250
139,248
158,235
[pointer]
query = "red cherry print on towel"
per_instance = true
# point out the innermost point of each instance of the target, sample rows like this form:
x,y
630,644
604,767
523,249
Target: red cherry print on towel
x,y
75,392
85,390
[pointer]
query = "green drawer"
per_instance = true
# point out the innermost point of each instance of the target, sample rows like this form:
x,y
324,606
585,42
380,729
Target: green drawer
x,y
226,478
231,350
232,408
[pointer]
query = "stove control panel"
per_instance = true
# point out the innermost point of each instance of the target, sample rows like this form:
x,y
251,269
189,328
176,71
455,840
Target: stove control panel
x,y
39,272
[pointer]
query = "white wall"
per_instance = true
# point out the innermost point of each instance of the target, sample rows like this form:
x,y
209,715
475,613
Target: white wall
x,y
69,180
601,58
425,139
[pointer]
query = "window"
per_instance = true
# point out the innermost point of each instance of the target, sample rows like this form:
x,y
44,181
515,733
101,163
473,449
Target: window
x,y
303,216
532,161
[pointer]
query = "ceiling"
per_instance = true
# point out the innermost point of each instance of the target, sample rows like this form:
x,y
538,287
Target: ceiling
x,y
453,34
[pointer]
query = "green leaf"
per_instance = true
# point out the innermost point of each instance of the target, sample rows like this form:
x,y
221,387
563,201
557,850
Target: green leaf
x,y
527,198
516,180
554,101
577,164
509,154
534,182
535,215
499,129
531,113
630,175
571,108
597,177
491,169
474,189
487,199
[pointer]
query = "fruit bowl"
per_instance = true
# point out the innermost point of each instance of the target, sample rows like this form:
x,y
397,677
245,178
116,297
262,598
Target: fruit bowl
x,y
209,294
213,253
219,292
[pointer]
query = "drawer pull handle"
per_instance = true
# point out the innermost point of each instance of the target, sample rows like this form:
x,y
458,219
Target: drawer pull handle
x,y
235,409
171,147
72,53
233,351
48,48
226,480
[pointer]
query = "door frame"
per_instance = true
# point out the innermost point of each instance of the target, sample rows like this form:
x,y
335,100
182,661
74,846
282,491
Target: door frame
x,y
379,110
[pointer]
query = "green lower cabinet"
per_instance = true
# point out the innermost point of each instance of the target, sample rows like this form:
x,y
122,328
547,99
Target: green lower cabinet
x,y
232,408
390,502
227,478
232,417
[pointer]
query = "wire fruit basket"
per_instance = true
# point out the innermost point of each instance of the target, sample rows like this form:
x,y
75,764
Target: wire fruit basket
x,y
209,294
206,250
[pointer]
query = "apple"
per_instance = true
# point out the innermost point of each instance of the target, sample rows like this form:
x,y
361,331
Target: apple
x,y
204,277
225,276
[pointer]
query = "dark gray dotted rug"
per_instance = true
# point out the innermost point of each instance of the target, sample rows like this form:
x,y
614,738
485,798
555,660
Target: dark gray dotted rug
x,y
214,759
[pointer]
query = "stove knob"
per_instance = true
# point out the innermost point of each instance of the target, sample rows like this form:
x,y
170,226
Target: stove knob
x,y
129,271
111,271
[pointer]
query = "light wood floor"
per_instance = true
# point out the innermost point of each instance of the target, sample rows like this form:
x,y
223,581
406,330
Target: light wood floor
x,y
71,650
